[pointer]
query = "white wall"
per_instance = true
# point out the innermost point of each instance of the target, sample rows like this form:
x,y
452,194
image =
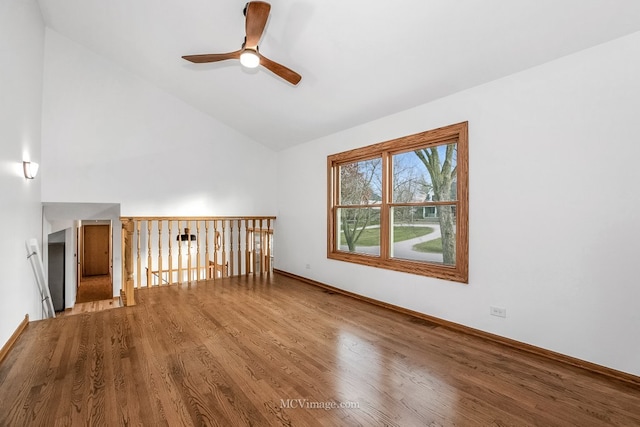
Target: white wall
x,y
21,50
111,137
554,207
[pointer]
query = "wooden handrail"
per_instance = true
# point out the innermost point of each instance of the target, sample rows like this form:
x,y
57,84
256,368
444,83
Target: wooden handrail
x,y
186,249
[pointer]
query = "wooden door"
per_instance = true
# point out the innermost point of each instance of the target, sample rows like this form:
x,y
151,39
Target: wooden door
x,y
95,260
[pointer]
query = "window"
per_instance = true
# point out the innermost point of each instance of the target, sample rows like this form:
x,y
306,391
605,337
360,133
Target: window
x,y
403,204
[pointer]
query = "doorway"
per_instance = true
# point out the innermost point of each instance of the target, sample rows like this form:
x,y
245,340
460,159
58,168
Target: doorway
x,y
94,267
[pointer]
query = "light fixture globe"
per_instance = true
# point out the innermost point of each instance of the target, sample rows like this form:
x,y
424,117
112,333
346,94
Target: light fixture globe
x,y
249,58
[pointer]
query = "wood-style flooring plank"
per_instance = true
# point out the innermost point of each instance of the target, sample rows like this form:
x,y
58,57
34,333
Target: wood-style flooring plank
x,y
275,351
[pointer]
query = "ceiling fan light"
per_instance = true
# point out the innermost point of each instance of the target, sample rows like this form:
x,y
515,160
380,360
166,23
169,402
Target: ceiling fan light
x,y
249,59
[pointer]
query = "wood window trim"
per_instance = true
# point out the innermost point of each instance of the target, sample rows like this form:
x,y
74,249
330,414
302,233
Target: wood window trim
x,y
457,273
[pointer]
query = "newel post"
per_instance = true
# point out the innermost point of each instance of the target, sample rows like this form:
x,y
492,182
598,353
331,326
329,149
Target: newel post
x,y
127,248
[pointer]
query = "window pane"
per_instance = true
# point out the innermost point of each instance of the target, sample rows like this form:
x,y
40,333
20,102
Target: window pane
x,y
359,230
411,180
361,182
427,174
425,233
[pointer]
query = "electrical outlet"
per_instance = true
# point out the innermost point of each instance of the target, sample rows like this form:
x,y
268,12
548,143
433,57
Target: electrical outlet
x,y
498,311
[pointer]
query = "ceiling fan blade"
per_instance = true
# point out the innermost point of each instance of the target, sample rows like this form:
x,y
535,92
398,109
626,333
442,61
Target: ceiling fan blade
x,y
280,70
213,57
257,13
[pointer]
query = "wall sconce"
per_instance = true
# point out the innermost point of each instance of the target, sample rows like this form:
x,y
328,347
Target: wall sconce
x,y
30,169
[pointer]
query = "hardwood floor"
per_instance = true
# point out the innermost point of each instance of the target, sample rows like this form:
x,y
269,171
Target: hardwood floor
x,y
91,307
94,288
275,351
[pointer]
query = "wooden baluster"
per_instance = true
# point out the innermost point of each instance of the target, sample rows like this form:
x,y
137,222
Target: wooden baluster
x,y
239,248
160,252
216,247
247,257
179,253
206,249
198,263
187,231
127,276
268,248
170,255
149,260
138,258
231,263
224,249
253,248
261,249
124,241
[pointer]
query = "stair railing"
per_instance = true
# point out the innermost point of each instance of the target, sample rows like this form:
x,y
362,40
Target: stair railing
x,y
160,251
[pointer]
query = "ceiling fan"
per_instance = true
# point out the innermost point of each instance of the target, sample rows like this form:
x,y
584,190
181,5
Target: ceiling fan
x,y
256,13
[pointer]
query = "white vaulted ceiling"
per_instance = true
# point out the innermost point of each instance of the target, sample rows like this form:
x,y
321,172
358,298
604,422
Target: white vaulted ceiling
x,y
359,60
